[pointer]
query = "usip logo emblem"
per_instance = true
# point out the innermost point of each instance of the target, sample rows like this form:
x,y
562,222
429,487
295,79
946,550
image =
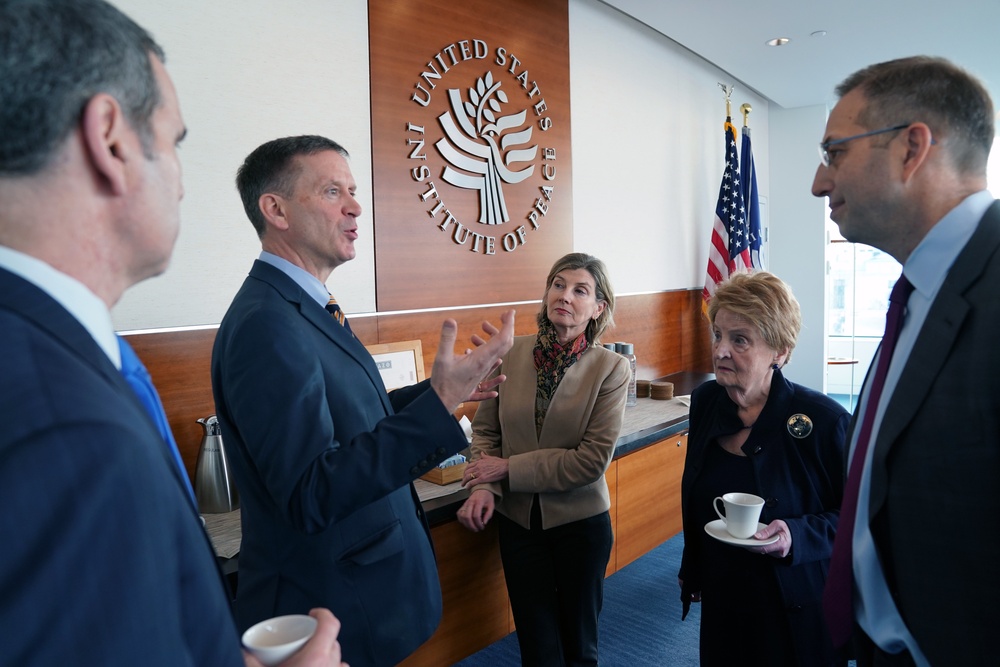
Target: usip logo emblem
x,y
482,144
486,142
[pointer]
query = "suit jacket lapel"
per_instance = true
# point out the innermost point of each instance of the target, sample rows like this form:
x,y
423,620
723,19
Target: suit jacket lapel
x,y
322,320
933,346
44,312
519,392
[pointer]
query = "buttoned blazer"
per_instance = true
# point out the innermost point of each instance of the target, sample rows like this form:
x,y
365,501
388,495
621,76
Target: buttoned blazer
x,y
104,560
323,460
565,464
801,481
935,485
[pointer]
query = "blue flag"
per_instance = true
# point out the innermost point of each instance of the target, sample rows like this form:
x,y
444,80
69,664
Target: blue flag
x,y
750,201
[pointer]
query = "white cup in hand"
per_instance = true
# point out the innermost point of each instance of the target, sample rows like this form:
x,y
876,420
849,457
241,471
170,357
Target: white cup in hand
x,y
276,639
742,513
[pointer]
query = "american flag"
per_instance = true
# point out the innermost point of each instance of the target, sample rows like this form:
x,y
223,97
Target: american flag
x,y
729,250
750,199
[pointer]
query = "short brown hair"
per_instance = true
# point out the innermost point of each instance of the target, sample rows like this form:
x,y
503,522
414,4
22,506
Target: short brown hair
x,y
272,167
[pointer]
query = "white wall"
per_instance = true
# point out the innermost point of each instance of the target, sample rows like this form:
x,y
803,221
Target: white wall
x,y
648,149
247,72
647,140
797,237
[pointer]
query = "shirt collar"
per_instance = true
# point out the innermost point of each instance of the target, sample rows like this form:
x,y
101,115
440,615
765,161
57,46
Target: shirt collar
x,y
307,281
74,296
928,264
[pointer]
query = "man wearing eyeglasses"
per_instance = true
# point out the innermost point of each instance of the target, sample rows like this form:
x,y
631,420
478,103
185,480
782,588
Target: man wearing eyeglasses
x,y
903,163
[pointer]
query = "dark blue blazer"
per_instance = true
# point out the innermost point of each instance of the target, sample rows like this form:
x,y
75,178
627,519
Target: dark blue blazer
x,y
103,560
935,486
801,481
323,459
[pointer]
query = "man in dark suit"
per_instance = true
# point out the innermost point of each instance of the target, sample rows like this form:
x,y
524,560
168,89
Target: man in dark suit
x,y
322,456
104,559
904,168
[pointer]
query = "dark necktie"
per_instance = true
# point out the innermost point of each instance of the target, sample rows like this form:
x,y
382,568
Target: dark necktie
x,y
838,596
338,314
138,378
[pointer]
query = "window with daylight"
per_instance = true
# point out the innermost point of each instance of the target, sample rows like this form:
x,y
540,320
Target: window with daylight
x,y
858,281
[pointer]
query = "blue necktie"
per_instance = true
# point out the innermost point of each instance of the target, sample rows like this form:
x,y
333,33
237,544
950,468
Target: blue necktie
x,y
138,378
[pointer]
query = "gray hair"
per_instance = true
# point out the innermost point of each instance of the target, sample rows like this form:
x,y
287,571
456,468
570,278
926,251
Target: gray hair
x,y
55,55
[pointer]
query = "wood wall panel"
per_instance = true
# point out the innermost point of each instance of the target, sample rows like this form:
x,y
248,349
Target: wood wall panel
x,y
408,38
660,325
696,350
179,362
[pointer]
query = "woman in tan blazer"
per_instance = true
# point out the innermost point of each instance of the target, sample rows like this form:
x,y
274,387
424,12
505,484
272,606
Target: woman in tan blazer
x,y
539,453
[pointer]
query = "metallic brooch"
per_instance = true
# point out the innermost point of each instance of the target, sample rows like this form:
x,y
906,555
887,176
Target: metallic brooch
x,y
800,426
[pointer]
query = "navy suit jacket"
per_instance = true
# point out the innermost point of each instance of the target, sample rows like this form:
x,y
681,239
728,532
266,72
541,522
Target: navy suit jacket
x,y
802,483
324,459
935,489
103,560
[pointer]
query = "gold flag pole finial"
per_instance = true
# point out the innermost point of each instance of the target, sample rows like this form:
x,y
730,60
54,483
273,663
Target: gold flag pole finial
x,y
745,109
728,90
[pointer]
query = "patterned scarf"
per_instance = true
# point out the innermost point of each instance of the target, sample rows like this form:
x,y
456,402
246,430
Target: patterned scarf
x,y
552,360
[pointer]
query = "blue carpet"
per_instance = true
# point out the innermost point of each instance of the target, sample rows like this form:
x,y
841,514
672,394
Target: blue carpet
x,y
641,621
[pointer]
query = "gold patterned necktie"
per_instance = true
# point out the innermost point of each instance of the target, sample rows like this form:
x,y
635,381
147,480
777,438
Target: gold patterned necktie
x,y
338,314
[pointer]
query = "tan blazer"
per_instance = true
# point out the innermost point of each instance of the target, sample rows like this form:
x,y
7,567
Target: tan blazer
x,y
565,466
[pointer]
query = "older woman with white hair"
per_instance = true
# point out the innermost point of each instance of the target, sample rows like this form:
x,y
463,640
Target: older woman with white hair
x,y
752,431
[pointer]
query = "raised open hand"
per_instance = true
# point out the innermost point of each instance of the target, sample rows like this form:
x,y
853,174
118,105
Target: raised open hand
x,y
460,377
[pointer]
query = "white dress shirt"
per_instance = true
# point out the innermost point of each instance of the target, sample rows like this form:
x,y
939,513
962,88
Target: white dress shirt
x,y
926,268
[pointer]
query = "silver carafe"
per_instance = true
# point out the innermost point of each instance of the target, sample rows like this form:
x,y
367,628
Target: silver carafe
x,y
213,486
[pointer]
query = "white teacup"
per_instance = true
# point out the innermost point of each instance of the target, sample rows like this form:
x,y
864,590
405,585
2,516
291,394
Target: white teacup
x,y
276,639
742,513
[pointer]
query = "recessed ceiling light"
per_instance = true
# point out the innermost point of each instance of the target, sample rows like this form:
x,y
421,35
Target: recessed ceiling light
x,y
777,41
818,33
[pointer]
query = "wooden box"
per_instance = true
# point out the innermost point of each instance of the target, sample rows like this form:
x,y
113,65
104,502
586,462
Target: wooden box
x,y
447,475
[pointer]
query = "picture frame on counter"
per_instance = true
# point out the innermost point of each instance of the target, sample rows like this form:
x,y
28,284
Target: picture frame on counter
x,y
400,364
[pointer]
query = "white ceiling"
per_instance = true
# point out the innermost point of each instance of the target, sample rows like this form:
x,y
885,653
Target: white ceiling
x,y
731,35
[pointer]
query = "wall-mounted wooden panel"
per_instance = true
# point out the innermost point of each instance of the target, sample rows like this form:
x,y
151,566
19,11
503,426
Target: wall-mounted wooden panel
x,y
179,362
471,149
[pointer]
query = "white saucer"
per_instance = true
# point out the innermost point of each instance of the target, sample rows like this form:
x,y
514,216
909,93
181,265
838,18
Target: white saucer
x,y
717,529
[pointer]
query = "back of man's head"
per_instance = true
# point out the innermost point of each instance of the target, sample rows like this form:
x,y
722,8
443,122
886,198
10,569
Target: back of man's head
x,y
954,104
54,56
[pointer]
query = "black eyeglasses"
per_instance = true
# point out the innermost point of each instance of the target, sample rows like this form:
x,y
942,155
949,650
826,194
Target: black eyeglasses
x,y
824,147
